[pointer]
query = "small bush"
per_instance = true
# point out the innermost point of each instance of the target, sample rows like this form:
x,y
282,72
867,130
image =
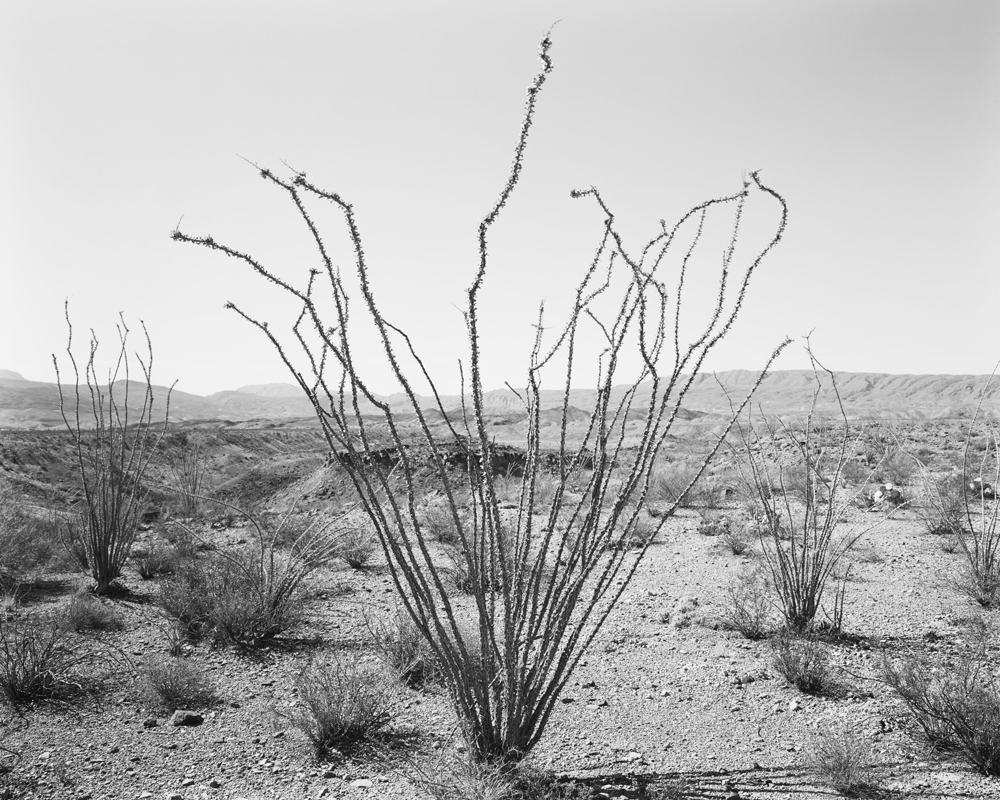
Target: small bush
x,y
803,662
735,542
854,473
896,468
84,612
843,762
37,659
747,608
357,546
637,535
943,508
175,683
669,485
979,585
404,650
460,778
437,522
341,706
715,524
957,707
237,598
27,543
156,560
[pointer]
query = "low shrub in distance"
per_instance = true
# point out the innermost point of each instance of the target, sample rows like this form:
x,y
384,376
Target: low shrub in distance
x,y
957,707
342,706
843,762
747,608
803,662
241,598
404,650
39,659
176,683
84,612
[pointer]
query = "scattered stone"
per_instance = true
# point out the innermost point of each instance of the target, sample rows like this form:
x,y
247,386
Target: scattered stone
x,y
152,722
186,718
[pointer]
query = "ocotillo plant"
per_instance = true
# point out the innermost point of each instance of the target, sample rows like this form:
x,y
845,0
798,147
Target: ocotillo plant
x,y
115,439
542,585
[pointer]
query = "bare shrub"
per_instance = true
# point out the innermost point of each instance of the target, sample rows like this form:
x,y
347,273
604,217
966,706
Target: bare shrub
x,y
956,706
341,706
715,524
113,455
255,593
799,504
439,523
843,761
895,466
455,777
176,683
156,560
84,612
747,608
405,652
675,485
854,473
357,546
942,507
187,477
539,608
735,542
803,661
40,659
29,542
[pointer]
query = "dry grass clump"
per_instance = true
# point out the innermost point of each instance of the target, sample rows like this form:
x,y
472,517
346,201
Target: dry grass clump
x,y
956,706
735,542
341,706
40,659
460,778
84,612
438,522
747,607
405,651
942,509
843,761
715,524
155,560
236,598
27,543
677,482
357,545
176,683
804,663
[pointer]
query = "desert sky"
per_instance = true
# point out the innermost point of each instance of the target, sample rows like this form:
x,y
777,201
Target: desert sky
x,y
877,121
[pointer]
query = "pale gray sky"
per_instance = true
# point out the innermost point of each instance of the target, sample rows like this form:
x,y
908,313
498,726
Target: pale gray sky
x,y
878,121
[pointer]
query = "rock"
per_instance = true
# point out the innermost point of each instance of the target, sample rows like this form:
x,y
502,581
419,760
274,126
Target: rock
x,y
215,783
362,783
187,782
152,722
186,718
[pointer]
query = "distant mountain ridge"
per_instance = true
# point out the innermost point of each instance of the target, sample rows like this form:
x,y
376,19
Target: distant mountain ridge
x,y
35,404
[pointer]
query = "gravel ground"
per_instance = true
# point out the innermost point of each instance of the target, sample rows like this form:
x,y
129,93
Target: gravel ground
x,y
662,694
